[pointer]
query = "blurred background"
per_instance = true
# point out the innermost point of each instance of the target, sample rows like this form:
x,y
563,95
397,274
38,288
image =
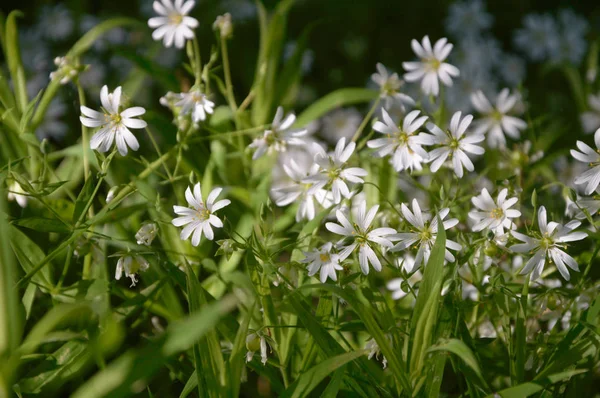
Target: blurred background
x,y
536,47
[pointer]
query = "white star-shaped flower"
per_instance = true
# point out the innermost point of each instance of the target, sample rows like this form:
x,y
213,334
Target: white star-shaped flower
x,y
548,245
493,215
495,120
197,104
200,218
363,236
389,87
130,266
423,232
333,173
432,66
324,261
114,125
279,136
455,144
403,144
173,25
590,178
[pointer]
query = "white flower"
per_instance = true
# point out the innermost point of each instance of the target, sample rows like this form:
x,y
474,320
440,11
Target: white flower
x,y
173,25
389,87
591,177
130,265
468,18
363,236
279,136
200,218
572,44
323,260
146,234
549,246
375,351
297,191
591,119
333,173
252,346
539,39
405,145
493,215
66,70
496,121
423,232
454,143
16,192
196,103
113,124
432,66
341,123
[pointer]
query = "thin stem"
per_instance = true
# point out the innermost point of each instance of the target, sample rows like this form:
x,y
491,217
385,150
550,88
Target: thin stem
x,y
197,60
227,72
365,121
84,135
159,153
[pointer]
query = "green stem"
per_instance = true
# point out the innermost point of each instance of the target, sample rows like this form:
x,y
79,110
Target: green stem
x,y
227,72
197,60
84,135
365,121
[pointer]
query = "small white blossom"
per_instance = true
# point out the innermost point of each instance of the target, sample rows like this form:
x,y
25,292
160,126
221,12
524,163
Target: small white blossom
x,y
591,119
432,66
279,136
333,173
404,144
375,351
66,70
591,177
493,215
195,103
146,234
423,232
362,236
16,193
113,124
296,191
389,87
548,245
173,25
200,218
253,345
495,120
455,144
130,266
325,262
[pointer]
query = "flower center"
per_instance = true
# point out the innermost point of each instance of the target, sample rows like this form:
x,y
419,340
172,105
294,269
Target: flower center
x,y
433,64
334,174
324,257
497,115
497,213
202,214
175,19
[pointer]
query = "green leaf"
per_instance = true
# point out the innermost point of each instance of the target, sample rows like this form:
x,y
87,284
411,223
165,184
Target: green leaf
x,y
87,40
460,349
336,99
425,313
42,224
13,57
29,254
311,379
117,379
528,389
10,312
